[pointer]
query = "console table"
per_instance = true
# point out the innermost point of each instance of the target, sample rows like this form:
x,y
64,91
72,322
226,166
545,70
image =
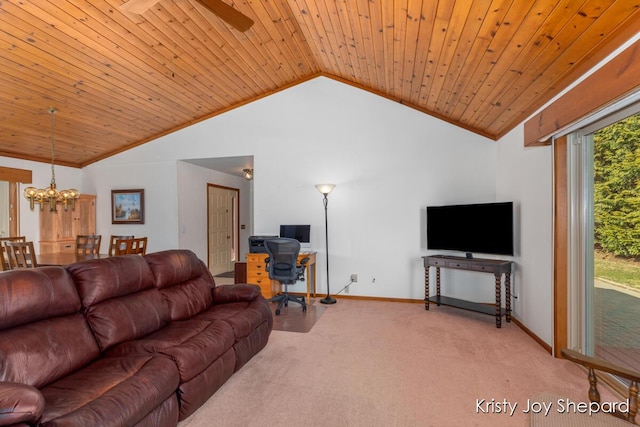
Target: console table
x,y
495,266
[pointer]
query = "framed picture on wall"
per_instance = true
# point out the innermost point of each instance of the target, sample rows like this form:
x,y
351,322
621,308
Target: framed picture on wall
x,y
127,206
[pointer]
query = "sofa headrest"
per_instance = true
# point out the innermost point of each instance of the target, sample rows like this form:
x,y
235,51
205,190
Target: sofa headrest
x,y
176,266
101,279
30,295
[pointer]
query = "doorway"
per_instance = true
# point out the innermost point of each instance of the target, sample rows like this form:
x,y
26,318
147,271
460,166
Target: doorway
x,y
223,228
10,180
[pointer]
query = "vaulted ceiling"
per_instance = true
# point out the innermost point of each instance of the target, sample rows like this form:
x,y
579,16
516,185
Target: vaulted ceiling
x,y
120,79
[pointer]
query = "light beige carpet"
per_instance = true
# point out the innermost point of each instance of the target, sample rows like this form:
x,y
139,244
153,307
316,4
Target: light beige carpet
x,y
392,364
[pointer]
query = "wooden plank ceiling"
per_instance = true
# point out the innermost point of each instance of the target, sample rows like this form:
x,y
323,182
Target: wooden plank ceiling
x,y
120,79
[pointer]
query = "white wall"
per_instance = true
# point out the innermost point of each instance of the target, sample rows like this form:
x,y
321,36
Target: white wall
x,y
158,179
388,163
525,175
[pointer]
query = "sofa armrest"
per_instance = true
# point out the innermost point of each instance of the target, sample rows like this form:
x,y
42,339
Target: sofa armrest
x,y
19,403
235,293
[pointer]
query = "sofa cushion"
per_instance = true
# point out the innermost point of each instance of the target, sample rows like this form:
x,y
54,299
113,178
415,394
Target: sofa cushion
x,y
127,318
30,295
184,281
19,403
116,391
44,336
121,300
192,345
41,352
98,280
244,316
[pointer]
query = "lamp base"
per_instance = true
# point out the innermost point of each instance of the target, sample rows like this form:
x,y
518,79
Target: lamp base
x,y
328,300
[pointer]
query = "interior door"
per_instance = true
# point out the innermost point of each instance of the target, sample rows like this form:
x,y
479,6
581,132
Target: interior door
x,y
222,218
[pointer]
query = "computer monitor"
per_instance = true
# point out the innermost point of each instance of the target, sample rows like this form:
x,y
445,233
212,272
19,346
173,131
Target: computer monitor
x,y
302,233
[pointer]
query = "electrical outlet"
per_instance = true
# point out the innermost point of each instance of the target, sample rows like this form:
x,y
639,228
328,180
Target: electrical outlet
x,y
354,278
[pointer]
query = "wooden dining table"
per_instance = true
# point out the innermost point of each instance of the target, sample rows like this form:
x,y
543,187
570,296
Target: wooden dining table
x,y
64,258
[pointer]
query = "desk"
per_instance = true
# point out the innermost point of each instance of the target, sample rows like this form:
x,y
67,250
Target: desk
x,y
495,266
258,275
64,258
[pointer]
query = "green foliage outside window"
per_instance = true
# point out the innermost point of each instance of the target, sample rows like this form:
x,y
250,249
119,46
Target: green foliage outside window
x,y
617,188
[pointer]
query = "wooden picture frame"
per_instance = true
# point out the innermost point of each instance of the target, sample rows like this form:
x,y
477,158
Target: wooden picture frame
x,y
127,206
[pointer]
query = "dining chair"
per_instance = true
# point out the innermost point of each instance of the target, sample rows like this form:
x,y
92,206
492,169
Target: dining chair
x,y
20,255
4,262
136,245
88,244
112,243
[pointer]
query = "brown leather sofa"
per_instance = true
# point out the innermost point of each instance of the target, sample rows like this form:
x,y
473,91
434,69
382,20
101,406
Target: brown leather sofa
x,y
122,341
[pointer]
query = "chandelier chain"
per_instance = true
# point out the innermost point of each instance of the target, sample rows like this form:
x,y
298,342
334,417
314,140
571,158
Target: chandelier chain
x,y
53,111
51,196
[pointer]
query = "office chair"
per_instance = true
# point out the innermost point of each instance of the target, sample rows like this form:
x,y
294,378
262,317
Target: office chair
x,y
282,265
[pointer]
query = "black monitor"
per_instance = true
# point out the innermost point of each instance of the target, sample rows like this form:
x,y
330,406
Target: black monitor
x,y
299,232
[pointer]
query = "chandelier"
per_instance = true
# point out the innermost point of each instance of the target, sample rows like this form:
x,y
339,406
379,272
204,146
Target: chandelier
x,y
51,195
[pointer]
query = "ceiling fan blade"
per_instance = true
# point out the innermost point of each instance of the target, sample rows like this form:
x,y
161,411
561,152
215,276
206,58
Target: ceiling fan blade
x,y
137,6
231,16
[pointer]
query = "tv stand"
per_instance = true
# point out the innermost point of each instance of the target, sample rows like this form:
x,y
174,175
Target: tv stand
x,y
495,266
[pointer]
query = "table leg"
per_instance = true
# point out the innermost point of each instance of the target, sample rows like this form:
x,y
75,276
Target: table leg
x,y
498,300
426,288
507,295
438,284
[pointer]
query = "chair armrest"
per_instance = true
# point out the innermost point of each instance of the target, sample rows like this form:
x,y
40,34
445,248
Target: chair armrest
x,y
304,261
19,403
235,293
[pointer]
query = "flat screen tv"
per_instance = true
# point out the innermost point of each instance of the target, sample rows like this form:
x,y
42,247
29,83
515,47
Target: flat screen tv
x,y
299,232
482,227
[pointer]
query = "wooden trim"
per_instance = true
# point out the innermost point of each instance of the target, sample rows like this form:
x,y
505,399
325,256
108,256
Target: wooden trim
x,y
15,175
560,237
13,210
617,78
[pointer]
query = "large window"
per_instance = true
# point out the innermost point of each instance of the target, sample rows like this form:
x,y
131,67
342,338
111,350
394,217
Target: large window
x,y
604,238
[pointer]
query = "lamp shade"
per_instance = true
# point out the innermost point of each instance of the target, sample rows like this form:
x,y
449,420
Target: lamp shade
x,y
325,188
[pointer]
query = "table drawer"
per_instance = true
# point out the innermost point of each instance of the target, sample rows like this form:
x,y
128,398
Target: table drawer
x,y
458,264
437,262
484,268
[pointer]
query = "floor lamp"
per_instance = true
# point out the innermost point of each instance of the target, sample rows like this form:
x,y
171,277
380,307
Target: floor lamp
x,y
325,189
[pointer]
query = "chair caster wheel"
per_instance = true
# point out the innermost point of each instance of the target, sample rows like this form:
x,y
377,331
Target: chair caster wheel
x,y
304,308
277,311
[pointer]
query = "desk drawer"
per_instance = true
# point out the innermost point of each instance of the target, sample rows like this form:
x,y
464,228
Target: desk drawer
x,y
256,258
257,278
